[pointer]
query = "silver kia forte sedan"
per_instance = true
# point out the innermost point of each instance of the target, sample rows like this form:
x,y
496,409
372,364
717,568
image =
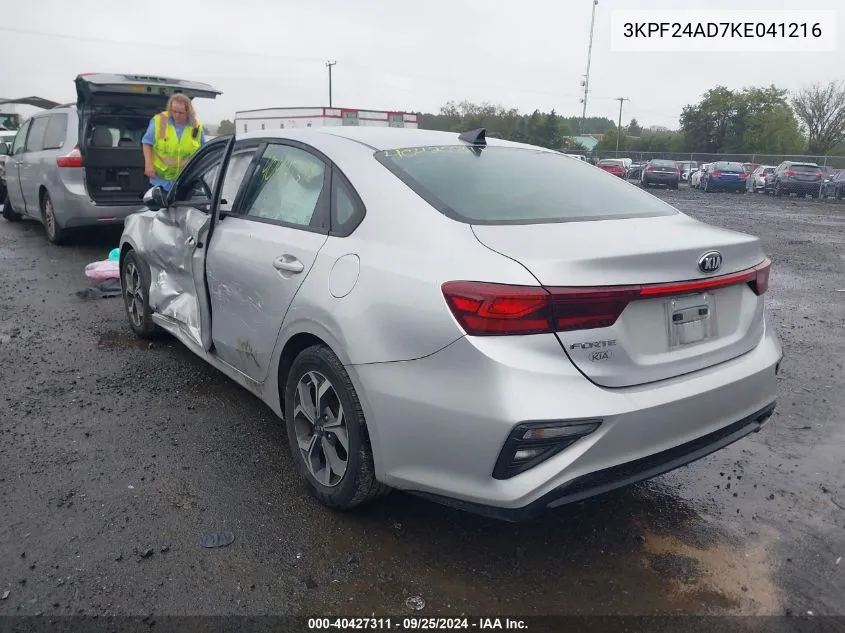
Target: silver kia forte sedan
x,y
489,324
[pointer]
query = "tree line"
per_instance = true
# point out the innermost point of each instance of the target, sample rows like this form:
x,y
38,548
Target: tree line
x,y
762,120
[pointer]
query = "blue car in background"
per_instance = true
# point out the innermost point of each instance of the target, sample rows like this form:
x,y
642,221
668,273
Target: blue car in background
x,y
724,176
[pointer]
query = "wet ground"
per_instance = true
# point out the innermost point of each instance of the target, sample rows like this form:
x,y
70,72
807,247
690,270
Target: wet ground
x,y
118,457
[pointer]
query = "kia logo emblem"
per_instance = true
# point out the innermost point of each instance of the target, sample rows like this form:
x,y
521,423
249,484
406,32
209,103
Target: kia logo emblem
x,y
710,262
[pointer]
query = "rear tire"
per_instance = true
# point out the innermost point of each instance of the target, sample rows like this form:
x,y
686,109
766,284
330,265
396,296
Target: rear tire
x,y
55,234
8,211
318,427
135,290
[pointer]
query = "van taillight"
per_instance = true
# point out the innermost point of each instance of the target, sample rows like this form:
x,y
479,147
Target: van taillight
x,y
489,309
73,159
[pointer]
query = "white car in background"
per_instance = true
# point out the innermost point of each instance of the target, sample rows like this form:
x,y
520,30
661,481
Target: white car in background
x,y
7,137
695,177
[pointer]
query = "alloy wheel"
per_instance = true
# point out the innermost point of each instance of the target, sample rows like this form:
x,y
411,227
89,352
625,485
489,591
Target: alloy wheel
x,y
133,294
320,427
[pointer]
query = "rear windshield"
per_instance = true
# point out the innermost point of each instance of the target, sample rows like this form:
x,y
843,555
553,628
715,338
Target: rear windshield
x,y
804,169
727,166
664,163
510,185
610,162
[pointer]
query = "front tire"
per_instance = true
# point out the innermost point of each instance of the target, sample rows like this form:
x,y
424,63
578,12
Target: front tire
x,y
327,431
8,211
135,290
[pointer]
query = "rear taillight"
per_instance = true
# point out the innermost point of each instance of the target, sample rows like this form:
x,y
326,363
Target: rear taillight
x,y
649,168
790,172
716,173
820,175
676,170
73,159
743,175
485,309
488,309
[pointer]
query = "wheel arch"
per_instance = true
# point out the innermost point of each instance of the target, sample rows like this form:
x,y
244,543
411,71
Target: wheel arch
x,y
301,340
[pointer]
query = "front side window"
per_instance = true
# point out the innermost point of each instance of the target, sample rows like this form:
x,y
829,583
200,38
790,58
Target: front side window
x,y
514,185
287,186
20,138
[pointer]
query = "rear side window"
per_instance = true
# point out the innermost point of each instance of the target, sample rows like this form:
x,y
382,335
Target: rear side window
x,y
347,210
35,141
512,185
54,137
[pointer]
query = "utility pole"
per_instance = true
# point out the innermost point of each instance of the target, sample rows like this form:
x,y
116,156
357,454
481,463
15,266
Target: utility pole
x,y
619,125
586,82
329,66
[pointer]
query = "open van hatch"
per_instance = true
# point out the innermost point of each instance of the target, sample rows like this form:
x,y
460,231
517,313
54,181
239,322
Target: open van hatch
x,y
114,111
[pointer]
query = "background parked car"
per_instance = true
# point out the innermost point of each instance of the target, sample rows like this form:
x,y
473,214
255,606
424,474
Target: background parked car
x,y
756,181
613,166
687,167
635,171
695,176
81,164
660,172
834,186
798,178
7,137
724,176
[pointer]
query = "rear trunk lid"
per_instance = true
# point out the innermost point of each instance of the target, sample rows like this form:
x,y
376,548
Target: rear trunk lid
x,y
805,173
659,334
114,111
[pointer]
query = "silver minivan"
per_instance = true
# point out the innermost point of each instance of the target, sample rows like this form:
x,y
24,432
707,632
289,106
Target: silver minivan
x,y
81,164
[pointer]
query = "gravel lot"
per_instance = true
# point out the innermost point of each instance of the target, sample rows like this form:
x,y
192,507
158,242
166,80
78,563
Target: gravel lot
x,y
117,457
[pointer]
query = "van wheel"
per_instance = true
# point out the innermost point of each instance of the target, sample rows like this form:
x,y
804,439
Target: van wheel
x,y
8,212
55,233
327,431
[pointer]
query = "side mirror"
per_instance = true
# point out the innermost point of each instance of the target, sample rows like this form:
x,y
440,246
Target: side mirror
x,y
155,199
5,150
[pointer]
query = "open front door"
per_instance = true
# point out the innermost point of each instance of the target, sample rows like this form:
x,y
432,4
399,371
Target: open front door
x,y
173,242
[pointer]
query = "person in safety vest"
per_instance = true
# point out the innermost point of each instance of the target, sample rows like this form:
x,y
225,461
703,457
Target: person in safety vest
x,y
172,137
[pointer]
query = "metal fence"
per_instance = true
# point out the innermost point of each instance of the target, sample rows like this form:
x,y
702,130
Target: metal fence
x,y
835,162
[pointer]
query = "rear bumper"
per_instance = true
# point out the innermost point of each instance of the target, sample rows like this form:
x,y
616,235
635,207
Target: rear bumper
x,y
728,184
792,186
438,424
74,210
652,179
608,479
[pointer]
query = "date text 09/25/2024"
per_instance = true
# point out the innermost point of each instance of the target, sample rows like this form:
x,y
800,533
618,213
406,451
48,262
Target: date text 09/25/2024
x,y
416,624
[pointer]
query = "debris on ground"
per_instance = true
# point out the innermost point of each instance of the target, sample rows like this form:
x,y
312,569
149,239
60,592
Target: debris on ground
x,y
5,594
415,603
103,290
218,539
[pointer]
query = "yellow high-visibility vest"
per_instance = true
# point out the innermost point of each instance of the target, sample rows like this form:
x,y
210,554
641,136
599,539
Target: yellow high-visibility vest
x,y
170,152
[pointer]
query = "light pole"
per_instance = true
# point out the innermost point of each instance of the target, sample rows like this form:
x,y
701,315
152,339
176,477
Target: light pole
x,y
586,82
619,125
329,66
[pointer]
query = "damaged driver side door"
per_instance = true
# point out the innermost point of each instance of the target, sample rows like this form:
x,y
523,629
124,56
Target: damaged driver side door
x,y
177,261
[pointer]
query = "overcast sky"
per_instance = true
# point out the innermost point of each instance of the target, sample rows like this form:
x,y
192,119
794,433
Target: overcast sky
x,y
391,55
